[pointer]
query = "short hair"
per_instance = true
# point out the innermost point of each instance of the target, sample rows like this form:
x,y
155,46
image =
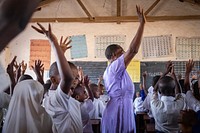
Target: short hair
x,y
53,71
93,87
54,68
155,80
167,85
110,50
77,90
24,77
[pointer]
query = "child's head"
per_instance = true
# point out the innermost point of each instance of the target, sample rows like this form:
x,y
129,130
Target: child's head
x,y
101,89
137,94
113,51
79,93
155,80
167,86
196,90
95,90
24,77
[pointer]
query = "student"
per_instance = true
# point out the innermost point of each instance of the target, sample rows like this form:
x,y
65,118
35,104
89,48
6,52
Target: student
x,y
86,104
99,107
167,110
138,103
147,101
192,100
25,113
119,115
66,110
102,92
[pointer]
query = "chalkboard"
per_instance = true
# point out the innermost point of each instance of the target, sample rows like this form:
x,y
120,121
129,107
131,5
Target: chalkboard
x,y
92,69
156,68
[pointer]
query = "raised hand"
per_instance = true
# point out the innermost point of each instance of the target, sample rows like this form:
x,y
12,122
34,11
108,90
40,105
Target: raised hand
x,y
189,66
64,45
23,67
48,32
168,67
81,74
140,14
39,70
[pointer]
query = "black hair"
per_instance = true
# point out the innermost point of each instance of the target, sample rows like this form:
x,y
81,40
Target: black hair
x,y
77,90
155,80
53,71
110,50
24,77
167,86
93,87
196,90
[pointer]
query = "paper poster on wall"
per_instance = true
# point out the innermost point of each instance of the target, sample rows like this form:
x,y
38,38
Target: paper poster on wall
x,y
40,50
133,70
157,46
79,47
188,48
102,41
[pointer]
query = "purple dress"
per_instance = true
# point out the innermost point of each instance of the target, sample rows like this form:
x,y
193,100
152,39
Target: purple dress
x,y
118,116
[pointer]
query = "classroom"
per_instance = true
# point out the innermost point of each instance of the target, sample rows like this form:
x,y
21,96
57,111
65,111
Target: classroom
x,y
171,35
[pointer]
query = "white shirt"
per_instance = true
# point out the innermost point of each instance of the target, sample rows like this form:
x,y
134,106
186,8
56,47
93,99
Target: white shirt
x,y
192,102
86,107
25,113
166,112
97,111
138,104
66,114
104,98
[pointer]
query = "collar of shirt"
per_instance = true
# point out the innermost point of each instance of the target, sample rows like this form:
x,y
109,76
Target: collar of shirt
x,y
167,98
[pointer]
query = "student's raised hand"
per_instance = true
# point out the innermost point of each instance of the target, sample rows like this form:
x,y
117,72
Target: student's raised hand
x,y
140,14
48,32
86,81
23,67
64,45
38,68
189,66
168,67
10,67
144,74
81,74
100,79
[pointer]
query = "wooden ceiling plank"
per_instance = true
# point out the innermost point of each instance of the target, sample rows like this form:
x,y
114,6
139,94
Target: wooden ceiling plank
x,y
85,9
118,10
107,19
151,7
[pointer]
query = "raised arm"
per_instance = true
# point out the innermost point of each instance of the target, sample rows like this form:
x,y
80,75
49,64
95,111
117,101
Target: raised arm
x,y
39,71
135,44
168,69
144,80
189,66
86,84
14,16
64,69
178,88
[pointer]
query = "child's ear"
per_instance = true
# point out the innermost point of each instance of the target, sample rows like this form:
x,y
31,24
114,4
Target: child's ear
x,y
76,97
53,80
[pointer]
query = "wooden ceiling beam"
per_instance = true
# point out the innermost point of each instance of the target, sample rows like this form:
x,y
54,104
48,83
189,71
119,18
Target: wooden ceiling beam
x,y
151,7
118,9
85,9
107,19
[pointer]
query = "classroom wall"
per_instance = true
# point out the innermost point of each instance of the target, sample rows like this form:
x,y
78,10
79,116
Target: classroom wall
x,y
20,46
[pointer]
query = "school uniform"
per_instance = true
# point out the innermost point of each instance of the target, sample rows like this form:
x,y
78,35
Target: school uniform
x,y
97,111
25,113
86,107
138,104
192,102
65,112
104,98
166,112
